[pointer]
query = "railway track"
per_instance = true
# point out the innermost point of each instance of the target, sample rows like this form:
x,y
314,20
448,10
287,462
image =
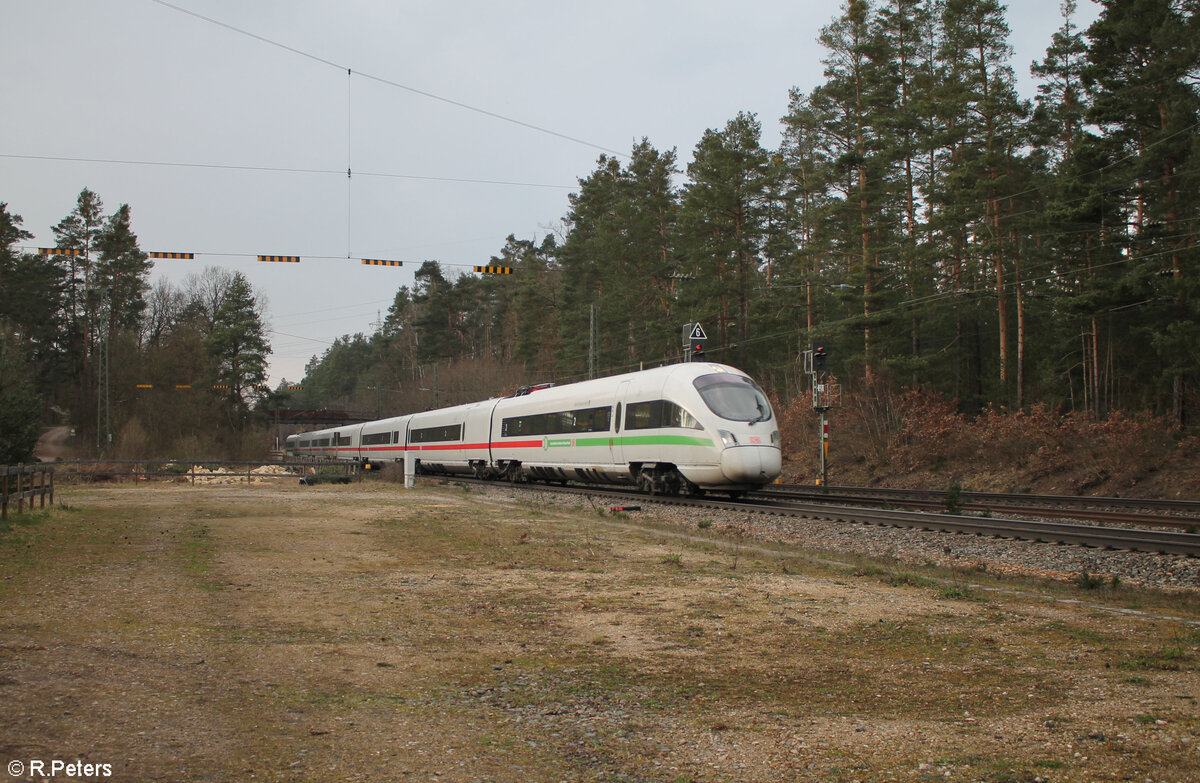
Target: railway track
x,y
1180,514
779,503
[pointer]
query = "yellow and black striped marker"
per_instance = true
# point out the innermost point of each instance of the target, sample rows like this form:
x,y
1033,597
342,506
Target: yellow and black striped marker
x,y
281,259
171,255
381,262
494,270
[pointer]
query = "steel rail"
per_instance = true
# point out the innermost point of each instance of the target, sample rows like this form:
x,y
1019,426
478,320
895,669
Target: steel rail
x,y
1135,539
1090,509
1183,507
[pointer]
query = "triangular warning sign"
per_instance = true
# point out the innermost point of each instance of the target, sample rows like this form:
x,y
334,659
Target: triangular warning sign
x,y
698,333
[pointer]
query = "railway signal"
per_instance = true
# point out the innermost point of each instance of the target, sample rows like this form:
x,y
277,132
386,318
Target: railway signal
x,y
818,357
826,394
694,342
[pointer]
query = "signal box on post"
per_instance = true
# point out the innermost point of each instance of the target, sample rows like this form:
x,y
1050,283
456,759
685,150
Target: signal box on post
x,y
694,341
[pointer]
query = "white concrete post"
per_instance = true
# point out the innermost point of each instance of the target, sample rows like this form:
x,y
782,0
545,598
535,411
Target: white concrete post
x,y
410,470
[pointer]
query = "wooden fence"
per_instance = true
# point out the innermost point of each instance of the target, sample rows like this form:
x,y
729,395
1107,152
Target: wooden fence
x,y
22,482
19,483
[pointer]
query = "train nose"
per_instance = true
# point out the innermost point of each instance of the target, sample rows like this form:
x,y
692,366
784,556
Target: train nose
x,y
751,464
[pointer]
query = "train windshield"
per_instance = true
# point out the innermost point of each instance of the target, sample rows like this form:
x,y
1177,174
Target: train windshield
x,y
733,397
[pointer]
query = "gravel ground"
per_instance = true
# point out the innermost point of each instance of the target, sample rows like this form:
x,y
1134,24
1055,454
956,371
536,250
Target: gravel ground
x,y
918,547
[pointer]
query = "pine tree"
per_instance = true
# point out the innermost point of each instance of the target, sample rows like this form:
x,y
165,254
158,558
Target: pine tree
x,y
591,244
1143,58
121,272
31,289
436,322
20,404
984,130
10,234
1070,225
618,261
722,224
804,192
237,346
856,104
643,284
905,57
525,312
1057,124
79,231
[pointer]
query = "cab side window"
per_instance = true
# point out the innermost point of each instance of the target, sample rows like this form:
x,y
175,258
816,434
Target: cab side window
x,y
658,414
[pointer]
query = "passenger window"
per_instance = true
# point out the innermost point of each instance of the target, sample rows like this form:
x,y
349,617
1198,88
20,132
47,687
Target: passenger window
x,y
659,413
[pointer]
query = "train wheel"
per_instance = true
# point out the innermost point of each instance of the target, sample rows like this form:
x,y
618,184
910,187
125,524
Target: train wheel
x,y
512,472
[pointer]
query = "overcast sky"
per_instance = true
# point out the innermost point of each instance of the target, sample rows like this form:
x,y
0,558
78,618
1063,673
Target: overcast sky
x,y
268,133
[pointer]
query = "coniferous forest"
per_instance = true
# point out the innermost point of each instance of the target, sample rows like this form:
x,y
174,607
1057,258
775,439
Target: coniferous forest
x,y
934,230
945,238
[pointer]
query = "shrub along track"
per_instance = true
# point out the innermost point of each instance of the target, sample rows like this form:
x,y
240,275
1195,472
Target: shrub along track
x,y
365,633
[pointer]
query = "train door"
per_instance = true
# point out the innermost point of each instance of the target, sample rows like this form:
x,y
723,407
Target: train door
x,y
618,428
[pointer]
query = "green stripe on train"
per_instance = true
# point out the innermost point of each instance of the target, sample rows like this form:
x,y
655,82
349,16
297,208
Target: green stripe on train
x,y
645,440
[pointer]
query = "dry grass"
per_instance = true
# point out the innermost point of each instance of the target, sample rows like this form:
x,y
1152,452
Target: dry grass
x,y
343,633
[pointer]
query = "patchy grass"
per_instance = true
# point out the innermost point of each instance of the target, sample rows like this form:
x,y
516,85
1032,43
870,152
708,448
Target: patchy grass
x,y
16,522
331,632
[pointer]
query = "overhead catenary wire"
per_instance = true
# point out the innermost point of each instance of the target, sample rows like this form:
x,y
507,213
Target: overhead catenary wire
x,y
392,83
287,170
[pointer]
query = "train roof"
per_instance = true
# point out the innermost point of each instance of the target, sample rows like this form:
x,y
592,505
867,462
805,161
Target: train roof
x,y
689,369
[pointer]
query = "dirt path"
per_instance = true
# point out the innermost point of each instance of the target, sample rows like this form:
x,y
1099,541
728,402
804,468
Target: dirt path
x,y
52,444
362,633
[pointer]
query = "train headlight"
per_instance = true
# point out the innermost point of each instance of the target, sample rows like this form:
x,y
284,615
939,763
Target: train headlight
x,y
775,439
727,438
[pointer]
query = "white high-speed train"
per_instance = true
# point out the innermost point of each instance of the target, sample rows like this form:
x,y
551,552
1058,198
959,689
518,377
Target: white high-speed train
x,y
682,428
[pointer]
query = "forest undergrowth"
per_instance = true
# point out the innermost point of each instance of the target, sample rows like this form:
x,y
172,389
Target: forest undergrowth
x,y
919,439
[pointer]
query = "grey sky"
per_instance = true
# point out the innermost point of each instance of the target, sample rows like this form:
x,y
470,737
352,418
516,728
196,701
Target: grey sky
x,y
135,80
